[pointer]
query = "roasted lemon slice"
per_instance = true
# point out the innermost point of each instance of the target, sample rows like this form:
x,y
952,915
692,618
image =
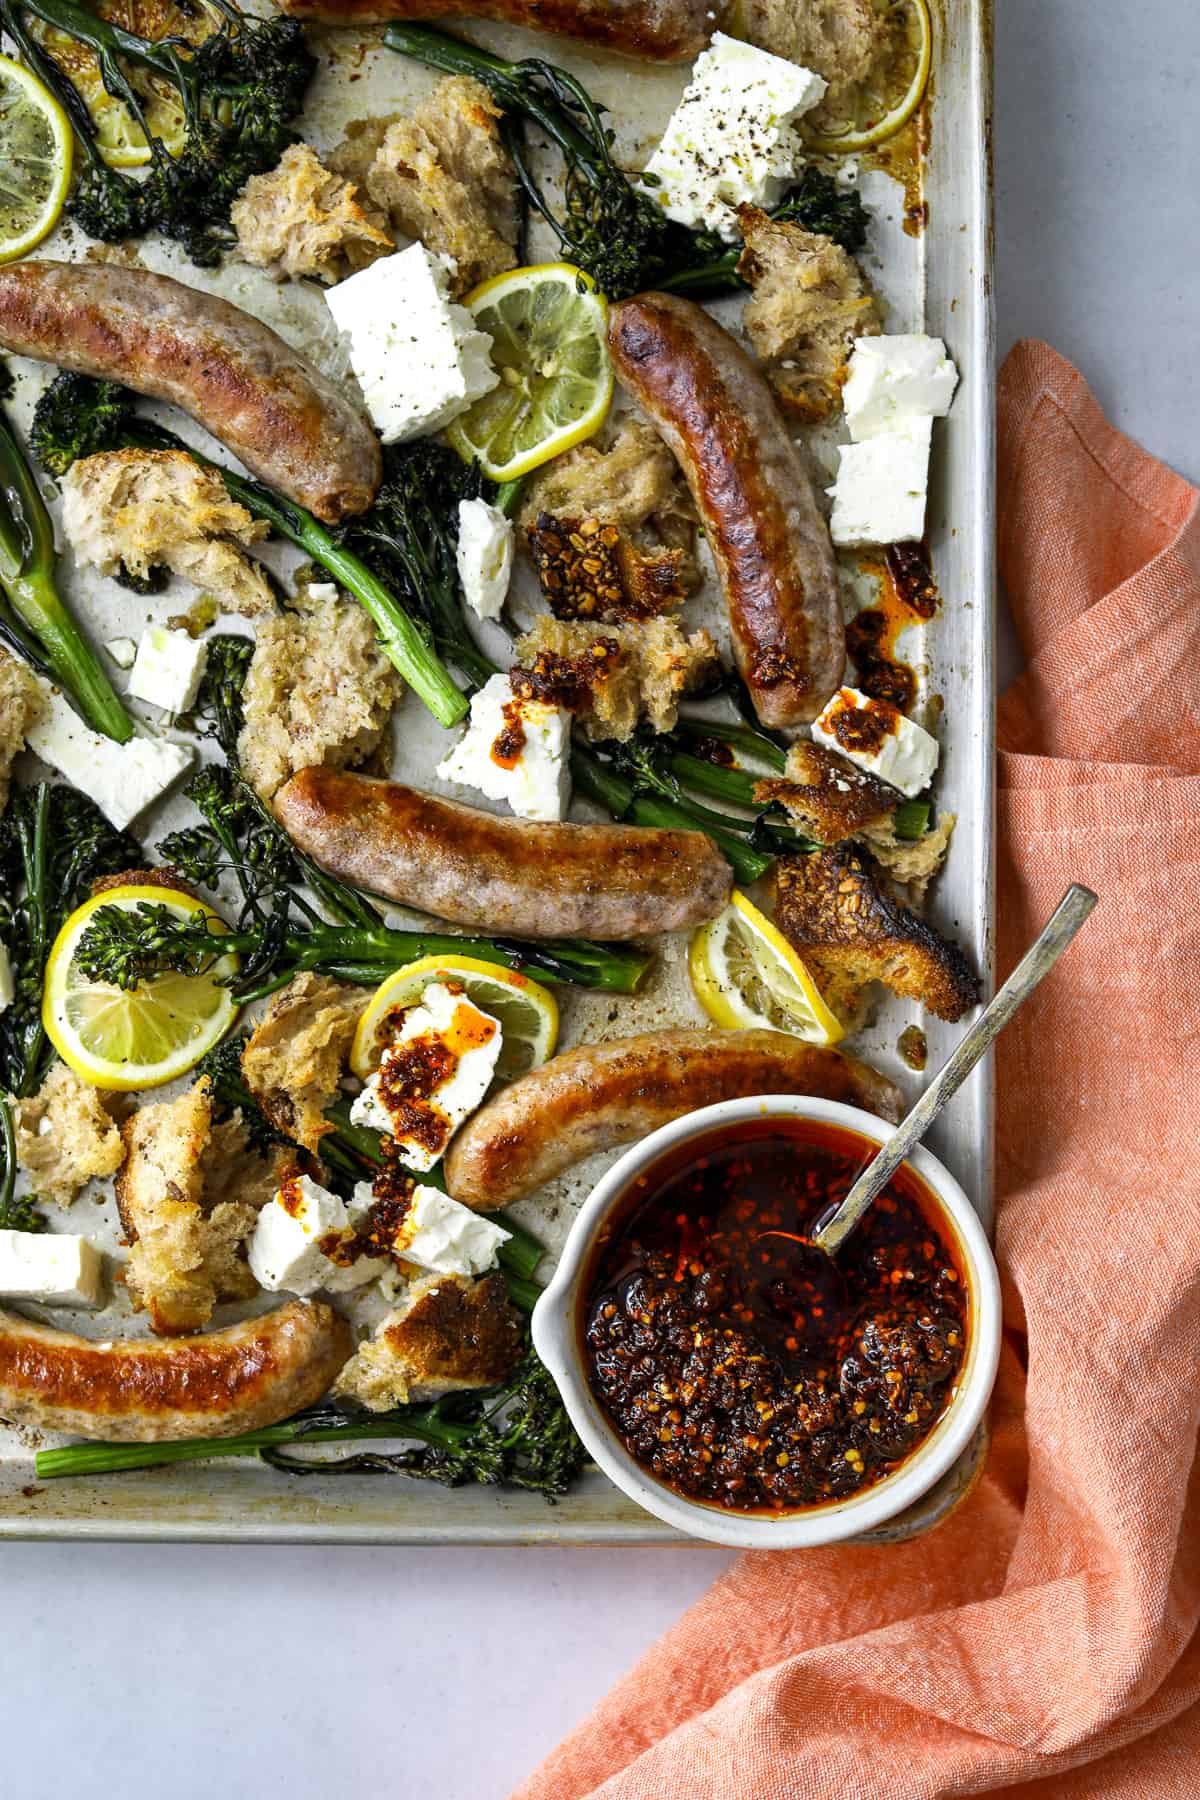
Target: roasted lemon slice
x,y
35,160
548,327
527,1012
147,1035
867,112
746,975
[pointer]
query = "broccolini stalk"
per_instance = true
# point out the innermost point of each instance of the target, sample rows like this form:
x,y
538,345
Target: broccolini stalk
x,y
39,625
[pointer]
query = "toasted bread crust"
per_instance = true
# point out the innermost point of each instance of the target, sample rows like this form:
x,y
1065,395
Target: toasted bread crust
x,y
828,798
832,906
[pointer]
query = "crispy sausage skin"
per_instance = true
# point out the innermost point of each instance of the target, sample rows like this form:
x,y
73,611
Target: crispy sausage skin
x,y
603,1095
771,545
228,370
141,1392
658,30
500,874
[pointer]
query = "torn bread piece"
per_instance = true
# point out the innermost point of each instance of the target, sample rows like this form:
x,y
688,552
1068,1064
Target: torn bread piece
x,y
833,908
187,1203
66,1136
592,570
295,1057
809,304
449,1334
441,177
613,676
143,510
300,219
911,862
20,705
319,690
828,797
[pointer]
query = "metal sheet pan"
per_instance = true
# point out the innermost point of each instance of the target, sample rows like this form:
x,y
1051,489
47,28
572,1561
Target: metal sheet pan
x,y
939,281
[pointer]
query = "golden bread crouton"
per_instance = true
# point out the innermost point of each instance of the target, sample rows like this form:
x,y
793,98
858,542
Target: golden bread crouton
x,y
151,509
20,704
592,570
831,905
448,1334
295,1057
443,177
827,797
838,38
627,483
301,219
914,862
185,1237
809,303
66,1136
319,690
613,676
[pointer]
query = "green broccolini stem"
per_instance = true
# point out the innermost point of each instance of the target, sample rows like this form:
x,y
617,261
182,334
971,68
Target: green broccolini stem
x,y
27,563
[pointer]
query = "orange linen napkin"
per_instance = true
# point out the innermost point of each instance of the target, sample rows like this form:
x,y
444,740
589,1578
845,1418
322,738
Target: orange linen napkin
x,y
1043,1640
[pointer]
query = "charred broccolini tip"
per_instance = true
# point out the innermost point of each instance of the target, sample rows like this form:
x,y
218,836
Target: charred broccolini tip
x,y
608,222
239,90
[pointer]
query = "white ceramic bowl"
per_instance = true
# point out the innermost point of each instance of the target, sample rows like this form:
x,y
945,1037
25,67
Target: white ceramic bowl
x,y
557,1335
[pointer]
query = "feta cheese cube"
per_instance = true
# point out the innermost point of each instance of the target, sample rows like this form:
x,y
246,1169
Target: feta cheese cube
x,y
322,593
893,379
515,750
123,651
879,494
291,1245
876,737
437,1233
732,140
418,357
168,669
8,987
123,779
56,1268
448,1035
485,556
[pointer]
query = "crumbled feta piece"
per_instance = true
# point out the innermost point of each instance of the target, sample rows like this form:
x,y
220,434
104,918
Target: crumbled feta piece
x,y
447,1035
56,1268
123,652
437,1233
8,989
879,494
297,1239
322,593
894,379
123,779
169,668
876,737
732,140
515,750
485,556
419,358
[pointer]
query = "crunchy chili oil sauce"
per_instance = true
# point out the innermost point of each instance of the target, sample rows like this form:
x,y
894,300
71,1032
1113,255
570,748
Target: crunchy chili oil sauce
x,y
736,1364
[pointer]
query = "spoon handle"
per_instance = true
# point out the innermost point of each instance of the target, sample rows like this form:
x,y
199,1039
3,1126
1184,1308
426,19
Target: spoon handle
x,y
1066,919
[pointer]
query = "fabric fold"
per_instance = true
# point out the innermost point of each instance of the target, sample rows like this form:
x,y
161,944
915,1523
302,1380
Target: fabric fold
x,y
1042,1641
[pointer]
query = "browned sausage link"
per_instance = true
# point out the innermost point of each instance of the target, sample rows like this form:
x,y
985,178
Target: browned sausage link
x,y
228,370
764,527
140,1392
603,1095
660,30
500,874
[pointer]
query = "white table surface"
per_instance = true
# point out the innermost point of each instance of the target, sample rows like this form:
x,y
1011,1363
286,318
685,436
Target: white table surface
x,y
444,1675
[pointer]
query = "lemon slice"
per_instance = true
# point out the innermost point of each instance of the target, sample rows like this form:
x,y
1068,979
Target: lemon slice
x,y
746,975
148,1035
527,1012
869,111
548,327
35,160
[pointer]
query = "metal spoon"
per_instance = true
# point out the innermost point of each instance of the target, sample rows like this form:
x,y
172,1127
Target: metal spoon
x,y
1072,910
